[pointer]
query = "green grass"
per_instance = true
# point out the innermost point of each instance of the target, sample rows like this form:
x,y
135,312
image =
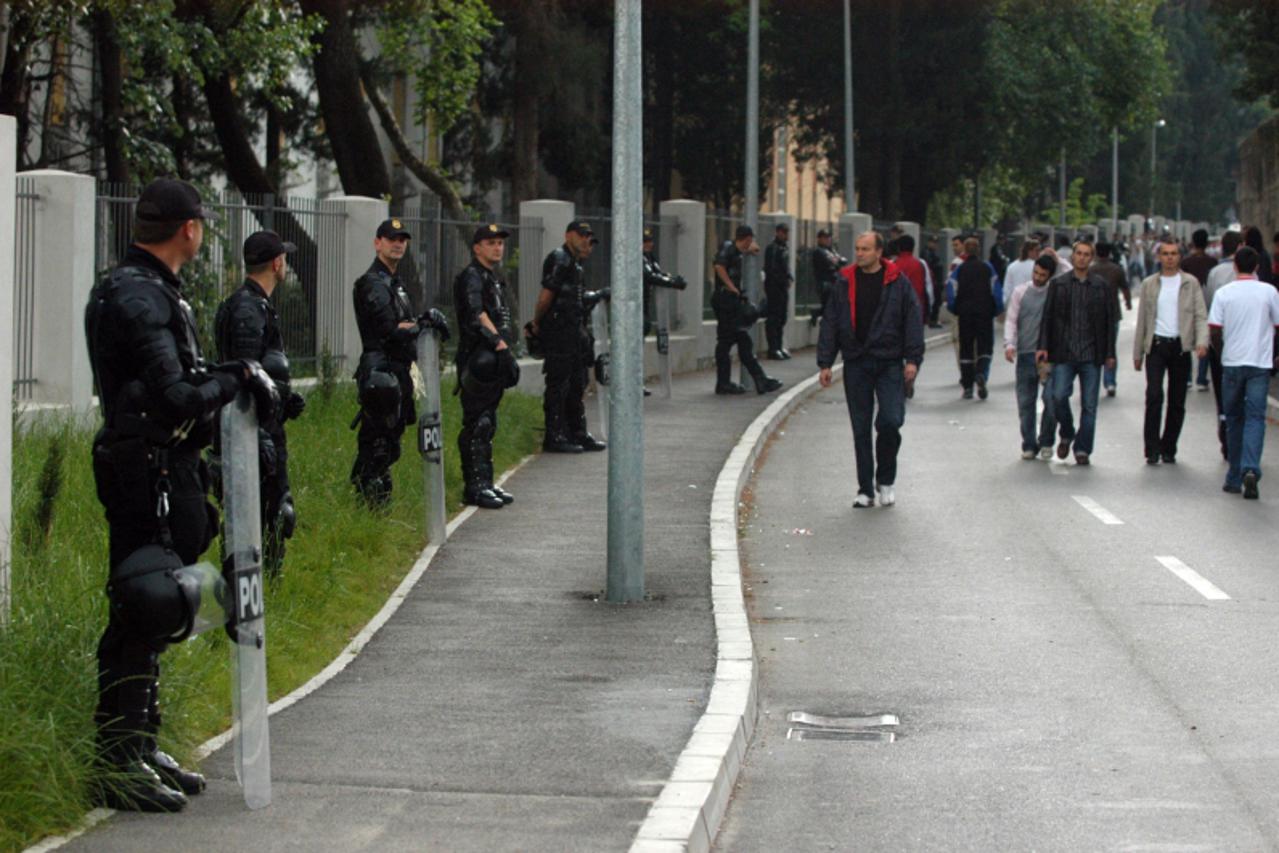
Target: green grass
x,y
341,565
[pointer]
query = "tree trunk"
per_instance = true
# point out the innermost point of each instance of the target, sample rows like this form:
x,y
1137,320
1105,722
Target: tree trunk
x,y
663,112
356,152
111,71
530,44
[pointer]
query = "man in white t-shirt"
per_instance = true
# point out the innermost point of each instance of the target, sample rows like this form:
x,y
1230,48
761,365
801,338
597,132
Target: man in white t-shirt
x,y
1021,271
1242,325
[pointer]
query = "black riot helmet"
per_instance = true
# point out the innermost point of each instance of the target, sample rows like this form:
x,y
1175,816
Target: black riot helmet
x,y
482,373
276,364
150,594
380,397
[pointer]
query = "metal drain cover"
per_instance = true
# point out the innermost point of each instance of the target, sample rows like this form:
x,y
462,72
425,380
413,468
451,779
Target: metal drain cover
x,y
803,718
840,734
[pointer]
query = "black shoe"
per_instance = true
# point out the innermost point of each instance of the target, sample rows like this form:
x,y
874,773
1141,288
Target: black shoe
x,y
135,787
648,393
1063,449
968,393
982,393
776,355
1231,490
730,388
503,494
174,775
767,385
1152,458
589,443
1110,390
560,444
785,354
1169,458
1250,492
484,498
1082,459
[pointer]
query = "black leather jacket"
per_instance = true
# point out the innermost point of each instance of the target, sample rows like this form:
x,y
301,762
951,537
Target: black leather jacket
x,y
777,265
478,290
146,359
1101,323
246,325
730,258
381,304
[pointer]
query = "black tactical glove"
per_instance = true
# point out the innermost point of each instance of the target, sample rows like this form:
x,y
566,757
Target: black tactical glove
x,y
294,406
266,396
679,283
509,367
591,298
267,455
435,320
288,516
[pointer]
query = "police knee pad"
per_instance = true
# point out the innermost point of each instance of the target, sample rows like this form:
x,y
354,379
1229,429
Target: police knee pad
x,y
380,398
484,428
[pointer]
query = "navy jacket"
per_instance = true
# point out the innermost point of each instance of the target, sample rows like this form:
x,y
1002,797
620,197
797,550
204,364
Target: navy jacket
x,y
896,332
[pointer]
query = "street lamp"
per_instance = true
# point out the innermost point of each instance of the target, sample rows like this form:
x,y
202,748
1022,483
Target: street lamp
x,y
1153,142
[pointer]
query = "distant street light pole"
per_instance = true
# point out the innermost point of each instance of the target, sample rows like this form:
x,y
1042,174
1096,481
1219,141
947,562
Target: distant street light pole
x,y
626,408
1114,182
1154,140
750,187
850,163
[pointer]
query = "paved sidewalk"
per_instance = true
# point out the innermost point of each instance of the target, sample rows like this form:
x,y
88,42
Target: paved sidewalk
x,y
502,708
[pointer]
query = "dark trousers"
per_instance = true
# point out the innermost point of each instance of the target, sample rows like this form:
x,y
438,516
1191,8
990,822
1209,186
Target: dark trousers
x,y
128,710
378,448
729,334
939,296
274,487
1214,368
475,440
562,406
778,296
869,381
1165,357
976,341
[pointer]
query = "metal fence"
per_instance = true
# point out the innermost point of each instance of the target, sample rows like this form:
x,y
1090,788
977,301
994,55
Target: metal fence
x,y
598,268
24,289
311,301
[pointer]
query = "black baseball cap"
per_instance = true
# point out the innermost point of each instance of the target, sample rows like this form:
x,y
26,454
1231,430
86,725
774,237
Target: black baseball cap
x,y
488,232
782,226
743,231
263,246
823,233
648,234
582,227
392,228
169,200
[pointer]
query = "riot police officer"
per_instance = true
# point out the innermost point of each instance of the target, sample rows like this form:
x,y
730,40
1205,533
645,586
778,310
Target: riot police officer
x,y
388,335
777,283
159,400
655,277
560,321
826,265
734,316
247,326
486,364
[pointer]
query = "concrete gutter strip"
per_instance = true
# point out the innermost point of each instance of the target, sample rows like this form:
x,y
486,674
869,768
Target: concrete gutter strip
x,y
687,813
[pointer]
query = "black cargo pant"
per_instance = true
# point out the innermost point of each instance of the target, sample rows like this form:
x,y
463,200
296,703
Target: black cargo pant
x,y
275,485
976,340
568,356
778,296
475,440
378,446
128,711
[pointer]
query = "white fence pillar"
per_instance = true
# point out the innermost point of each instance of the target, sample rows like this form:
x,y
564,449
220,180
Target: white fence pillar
x,y
544,221
8,155
850,225
65,234
684,253
363,216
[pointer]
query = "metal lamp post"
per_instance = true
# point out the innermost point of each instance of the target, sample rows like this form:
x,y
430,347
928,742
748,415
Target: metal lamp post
x,y
1154,141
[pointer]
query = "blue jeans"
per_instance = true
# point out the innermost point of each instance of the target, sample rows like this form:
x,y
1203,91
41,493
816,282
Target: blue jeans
x,y
1063,382
869,380
1201,377
1243,401
1110,375
1028,394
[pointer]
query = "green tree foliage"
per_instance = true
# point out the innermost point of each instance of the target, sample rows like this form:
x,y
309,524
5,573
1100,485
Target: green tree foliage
x,y
1248,33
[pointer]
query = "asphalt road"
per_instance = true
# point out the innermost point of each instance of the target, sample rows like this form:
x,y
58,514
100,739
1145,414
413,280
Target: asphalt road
x,y
1059,687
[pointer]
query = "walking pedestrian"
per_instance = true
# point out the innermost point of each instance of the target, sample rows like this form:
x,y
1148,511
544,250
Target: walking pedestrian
x,y
1199,264
974,296
1021,338
1242,324
874,325
1252,239
1171,323
1077,336
915,271
933,261
1115,276
734,316
1020,271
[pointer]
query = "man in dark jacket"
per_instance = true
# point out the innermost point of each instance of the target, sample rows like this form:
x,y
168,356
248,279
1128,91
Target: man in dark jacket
x,y
974,295
777,284
873,320
1077,336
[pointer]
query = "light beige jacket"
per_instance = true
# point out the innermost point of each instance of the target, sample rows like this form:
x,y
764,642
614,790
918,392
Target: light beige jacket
x,y
1192,316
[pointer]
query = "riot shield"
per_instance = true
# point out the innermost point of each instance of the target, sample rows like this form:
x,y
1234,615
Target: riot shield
x,y
206,592
665,298
242,549
430,435
603,364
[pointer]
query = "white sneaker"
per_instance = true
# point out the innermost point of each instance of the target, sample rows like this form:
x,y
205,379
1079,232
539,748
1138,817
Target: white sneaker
x,y
863,501
1045,453
1028,454
886,496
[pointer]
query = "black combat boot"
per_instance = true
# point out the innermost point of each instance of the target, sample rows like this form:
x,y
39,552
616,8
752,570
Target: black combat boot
x,y
765,384
588,442
166,766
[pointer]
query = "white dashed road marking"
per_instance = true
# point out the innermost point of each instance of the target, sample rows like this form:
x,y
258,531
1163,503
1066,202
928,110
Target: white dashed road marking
x,y
1200,584
1105,515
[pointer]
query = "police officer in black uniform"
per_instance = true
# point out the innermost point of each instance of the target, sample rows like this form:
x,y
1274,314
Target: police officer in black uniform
x,y
486,364
560,320
734,316
655,277
388,335
247,326
159,400
777,283
826,265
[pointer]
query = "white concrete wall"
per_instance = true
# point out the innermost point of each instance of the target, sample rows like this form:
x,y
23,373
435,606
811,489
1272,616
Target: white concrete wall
x,y
363,215
65,231
8,156
688,219
913,229
850,225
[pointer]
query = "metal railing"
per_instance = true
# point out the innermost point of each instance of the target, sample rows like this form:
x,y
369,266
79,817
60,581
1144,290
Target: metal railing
x,y
24,289
309,303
